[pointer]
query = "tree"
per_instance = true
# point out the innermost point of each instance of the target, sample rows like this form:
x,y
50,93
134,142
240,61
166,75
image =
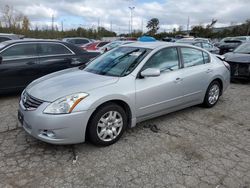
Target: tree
x,y
11,18
153,26
25,24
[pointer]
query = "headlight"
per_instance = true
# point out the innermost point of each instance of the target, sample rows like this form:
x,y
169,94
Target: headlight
x,y
66,104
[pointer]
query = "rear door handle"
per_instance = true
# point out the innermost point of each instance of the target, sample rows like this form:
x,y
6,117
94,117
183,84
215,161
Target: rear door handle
x,y
209,70
31,63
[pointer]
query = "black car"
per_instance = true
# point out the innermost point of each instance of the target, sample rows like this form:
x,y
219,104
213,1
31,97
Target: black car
x,y
78,41
22,61
229,44
239,61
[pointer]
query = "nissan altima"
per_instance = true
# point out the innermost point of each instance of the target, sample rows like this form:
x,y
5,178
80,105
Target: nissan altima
x,y
120,88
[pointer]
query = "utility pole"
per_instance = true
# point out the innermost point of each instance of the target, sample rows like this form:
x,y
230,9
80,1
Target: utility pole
x,y
188,26
52,22
111,25
131,19
142,25
62,25
98,24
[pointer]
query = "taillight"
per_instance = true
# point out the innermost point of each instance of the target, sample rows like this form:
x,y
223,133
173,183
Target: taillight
x,y
226,65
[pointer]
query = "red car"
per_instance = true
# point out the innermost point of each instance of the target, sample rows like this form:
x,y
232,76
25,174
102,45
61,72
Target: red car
x,y
94,46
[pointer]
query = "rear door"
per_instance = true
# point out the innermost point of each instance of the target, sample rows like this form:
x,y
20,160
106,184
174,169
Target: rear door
x,y
196,73
19,66
54,57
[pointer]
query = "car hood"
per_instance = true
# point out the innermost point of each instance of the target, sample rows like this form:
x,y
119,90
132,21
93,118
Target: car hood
x,y
237,57
66,82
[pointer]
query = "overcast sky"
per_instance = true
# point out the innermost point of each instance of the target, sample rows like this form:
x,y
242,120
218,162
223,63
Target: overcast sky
x,y
171,13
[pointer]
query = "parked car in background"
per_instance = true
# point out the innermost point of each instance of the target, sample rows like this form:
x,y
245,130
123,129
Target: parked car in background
x,y
202,44
169,39
6,36
22,61
78,41
120,88
202,40
239,61
113,45
229,44
95,46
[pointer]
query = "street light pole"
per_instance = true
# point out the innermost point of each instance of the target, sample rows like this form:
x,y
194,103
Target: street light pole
x,y
131,19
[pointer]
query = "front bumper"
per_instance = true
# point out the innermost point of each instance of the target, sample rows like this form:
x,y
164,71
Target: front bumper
x,y
240,70
67,128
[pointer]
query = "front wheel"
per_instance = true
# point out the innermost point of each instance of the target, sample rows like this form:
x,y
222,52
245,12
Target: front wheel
x,y
107,125
212,95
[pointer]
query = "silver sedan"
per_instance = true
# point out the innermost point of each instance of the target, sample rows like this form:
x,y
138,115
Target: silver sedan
x,y
120,88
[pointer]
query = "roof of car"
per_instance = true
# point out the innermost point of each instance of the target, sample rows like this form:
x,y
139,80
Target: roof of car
x,y
30,40
151,45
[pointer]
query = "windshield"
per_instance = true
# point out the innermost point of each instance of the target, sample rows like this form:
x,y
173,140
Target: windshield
x,y
244,49
118,62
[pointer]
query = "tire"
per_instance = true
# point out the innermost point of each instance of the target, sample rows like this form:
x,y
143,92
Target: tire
x,y
212,94
108,121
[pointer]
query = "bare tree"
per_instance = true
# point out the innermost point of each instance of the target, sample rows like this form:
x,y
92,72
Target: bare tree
x,y
11,18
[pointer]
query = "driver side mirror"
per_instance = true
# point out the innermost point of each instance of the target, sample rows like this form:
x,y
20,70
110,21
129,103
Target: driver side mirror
x,y
1,59
151,72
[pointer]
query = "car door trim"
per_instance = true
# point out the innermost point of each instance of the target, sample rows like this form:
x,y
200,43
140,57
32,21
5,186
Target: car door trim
x,y
169,100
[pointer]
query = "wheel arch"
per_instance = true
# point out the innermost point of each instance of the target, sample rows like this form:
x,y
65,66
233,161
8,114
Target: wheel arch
x,y
220,82
120,102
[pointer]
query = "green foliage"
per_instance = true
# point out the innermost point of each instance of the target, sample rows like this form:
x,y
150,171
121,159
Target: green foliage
x,y
153,26
55,34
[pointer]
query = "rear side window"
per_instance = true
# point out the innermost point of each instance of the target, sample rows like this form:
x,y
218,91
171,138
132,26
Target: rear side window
x,y
19,51
80,41
53,49
2,39
165,60
192,57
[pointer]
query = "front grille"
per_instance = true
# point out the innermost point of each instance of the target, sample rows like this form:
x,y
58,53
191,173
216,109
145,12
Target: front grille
x,y
30,103
239,69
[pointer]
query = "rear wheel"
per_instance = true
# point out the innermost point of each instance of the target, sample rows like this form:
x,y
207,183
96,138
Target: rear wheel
x,y
212,95
107,125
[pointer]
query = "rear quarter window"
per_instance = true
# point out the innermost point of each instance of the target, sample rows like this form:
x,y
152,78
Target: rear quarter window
x,y
53,49
193,57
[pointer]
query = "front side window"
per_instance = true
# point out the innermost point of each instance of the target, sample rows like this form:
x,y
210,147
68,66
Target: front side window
x,y
165,60
192,57
118,62
207,46
52,49
19,51
198,44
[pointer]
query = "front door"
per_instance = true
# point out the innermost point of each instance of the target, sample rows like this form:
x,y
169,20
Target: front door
x,y
154,94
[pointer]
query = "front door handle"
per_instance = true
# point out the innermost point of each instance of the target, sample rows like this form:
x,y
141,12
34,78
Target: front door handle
x,y
177,80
